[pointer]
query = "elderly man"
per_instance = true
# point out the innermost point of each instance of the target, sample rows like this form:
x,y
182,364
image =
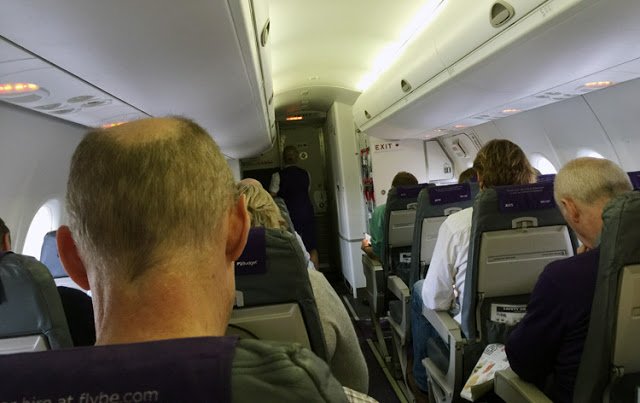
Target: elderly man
x,y
155,227
550,338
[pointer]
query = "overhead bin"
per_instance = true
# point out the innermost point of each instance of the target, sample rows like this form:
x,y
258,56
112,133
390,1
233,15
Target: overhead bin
x,y
461,64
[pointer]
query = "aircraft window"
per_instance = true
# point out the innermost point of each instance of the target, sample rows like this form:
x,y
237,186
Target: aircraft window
x,y
585,152
542,164
45,220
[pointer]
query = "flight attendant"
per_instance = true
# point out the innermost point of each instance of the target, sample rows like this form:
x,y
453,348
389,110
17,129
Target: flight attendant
x,y
292,184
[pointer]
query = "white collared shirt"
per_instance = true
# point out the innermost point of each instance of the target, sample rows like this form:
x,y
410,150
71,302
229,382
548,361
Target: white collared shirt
x,y
448,265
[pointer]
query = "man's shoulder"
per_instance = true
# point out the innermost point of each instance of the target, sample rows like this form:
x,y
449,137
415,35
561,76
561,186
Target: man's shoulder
x,y
460,221
281,372
577,265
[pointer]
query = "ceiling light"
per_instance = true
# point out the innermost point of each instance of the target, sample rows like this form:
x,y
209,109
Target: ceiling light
x,y
290,118
598,84
114,124
459,126
511,110
18,88
390,54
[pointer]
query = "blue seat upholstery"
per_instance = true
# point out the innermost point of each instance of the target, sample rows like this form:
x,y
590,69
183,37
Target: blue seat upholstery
x,y
274,296
31,313
181,370
516,231
635,179
49,256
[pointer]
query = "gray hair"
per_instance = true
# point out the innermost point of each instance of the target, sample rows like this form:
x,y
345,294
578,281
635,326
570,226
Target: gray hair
x,y
589,180
130,201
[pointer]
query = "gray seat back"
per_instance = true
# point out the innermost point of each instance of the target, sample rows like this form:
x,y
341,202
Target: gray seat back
x,y
284,211
516,231
610,364
275,300
31,313
179,370
398,228
435,203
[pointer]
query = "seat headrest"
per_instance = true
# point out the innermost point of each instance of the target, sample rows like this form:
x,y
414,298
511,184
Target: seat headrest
x,y
408,192
535,196
193,370
449,194
254,256
635,179
546,178
49,256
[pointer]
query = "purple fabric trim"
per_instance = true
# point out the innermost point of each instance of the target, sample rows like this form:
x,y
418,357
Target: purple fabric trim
x,y
181,370
410,192
254,257
449,194
526,197
635,179
546,178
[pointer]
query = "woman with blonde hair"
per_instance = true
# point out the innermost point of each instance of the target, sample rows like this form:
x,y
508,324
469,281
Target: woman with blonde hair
x,y
345,357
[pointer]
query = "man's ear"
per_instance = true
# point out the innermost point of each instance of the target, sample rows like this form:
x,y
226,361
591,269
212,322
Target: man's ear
x,y
238,230
70,257
5,244
571,210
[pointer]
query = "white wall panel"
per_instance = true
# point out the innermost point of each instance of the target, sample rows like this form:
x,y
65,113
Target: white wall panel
x,y
35,151
572,126
618,110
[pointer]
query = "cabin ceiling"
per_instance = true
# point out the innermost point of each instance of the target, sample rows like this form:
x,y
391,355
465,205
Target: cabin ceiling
x,y
321,50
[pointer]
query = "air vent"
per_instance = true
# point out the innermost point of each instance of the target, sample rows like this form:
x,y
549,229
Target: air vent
x,y
65,111
80,98
367,114
96,103
501,13
48,107
25,99
406,87
264,35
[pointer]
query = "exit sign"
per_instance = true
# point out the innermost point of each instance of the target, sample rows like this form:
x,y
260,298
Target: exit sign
x,y
386,147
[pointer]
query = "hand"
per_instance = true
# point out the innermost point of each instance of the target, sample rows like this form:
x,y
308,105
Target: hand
x,y
365,244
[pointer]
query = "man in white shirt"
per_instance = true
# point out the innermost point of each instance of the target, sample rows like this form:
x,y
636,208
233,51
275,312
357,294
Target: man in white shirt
x,y
498,163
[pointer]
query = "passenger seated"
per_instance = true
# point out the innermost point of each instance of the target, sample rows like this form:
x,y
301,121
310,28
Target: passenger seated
x,y
155,227
498,163
345,356
77,305
468,175
373,248
550,338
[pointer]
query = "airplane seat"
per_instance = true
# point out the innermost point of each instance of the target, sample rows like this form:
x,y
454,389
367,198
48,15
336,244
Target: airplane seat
x,y
274,298
635,179
516,231
50,258
32,315
610,366
435,204
284,211
178,370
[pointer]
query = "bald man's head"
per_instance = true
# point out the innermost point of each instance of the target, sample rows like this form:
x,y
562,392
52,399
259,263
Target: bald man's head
x,y
250,182
141,189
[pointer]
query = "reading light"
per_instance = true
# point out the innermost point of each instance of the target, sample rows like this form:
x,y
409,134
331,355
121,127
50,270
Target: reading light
x,y
17,88
290,118
459,126
598,84
114,124
511,110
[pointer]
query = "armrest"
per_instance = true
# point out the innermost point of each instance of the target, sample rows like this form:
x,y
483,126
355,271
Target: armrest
x,y
509,387
444,324
366,259
398,288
